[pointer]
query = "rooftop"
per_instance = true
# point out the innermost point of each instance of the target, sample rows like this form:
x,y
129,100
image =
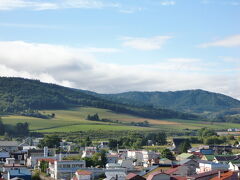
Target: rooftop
x,y
83,172
19,172
8,143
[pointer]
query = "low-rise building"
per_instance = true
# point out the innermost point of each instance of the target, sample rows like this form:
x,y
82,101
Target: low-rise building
x,y
83,175
205,166
9,146
20,174
65,169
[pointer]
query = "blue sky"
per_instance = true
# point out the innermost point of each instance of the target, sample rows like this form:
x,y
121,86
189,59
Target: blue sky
x,y
113,46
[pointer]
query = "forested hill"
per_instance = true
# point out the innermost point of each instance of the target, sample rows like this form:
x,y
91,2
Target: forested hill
x,y
18,94
194,101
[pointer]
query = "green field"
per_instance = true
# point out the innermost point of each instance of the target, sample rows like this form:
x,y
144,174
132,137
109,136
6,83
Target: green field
x,y
73,120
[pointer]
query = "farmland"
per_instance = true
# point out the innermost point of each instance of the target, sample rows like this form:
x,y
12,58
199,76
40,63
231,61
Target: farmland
x,y
73,120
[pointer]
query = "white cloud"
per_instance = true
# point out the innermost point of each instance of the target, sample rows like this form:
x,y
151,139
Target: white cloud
x,y
231,41
78,68
145,44
168,3
54,4
38,26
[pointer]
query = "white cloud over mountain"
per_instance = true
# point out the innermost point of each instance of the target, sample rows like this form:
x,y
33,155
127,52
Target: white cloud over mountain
x,y
79,68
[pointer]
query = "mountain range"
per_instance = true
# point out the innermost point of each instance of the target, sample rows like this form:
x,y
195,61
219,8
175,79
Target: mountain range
x,y
18,95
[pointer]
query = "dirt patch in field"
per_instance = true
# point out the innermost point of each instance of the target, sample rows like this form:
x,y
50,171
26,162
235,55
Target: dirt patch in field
x,y
151,121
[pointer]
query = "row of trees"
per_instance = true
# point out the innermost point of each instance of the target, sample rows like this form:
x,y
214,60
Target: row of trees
x,y
210,137
136,140
18,130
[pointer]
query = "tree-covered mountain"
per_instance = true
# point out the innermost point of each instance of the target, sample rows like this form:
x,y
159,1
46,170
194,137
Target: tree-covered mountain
x,y
193,101
18,95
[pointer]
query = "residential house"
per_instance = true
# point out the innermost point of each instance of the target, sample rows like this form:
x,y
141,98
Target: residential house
x,y
234,165
9,146
3,155
24,174
32,156
126,163
184,156
10,164
208,157
205,166
103,144
112,158
115,175
19,156
207,151
225,159
83,175
132,176
229,175
221,149
65,169
165,161
158,175
181,171
89,151
204,176
136,156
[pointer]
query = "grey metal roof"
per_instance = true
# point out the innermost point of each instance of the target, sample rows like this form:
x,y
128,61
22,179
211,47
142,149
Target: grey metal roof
x,y
8,143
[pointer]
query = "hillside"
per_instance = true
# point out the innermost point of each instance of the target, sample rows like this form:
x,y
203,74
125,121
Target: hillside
x,y
18,95
193,101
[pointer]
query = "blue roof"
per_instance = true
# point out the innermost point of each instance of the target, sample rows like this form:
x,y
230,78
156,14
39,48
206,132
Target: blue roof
x,y
20,172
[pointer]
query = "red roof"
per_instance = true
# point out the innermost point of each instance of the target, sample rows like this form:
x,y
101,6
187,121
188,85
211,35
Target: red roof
x,y
131,175
226,175
84,172
172,170
178,178
47,160
197,154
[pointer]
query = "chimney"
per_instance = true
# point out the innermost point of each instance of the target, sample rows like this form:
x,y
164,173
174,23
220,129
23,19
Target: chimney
x,y
219,174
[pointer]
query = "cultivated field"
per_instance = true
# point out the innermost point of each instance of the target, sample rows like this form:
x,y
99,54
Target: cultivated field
x,y
73,120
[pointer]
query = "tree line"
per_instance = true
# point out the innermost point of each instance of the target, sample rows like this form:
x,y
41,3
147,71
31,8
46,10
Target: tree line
x,y
18,130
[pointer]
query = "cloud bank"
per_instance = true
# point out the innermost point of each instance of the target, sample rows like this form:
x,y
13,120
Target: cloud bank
x,y
79,68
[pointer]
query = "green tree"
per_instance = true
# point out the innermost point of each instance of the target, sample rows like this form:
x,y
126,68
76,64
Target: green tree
x,y
184,146
36,175
166,153
43,166
161,138
113,143
2,127
50,141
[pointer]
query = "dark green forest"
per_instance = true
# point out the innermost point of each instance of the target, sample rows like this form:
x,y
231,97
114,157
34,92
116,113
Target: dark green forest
x,y
194,101
18,96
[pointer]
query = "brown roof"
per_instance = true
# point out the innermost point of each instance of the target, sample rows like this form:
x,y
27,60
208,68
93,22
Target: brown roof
x,y
205,174
172,170
47,160
226,175
132,176
151,176
178,178
84,172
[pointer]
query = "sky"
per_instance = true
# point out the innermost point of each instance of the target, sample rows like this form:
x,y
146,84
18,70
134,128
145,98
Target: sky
x,y
112,46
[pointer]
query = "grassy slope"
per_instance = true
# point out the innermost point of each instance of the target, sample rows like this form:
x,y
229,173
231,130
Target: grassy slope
x,y
73,120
